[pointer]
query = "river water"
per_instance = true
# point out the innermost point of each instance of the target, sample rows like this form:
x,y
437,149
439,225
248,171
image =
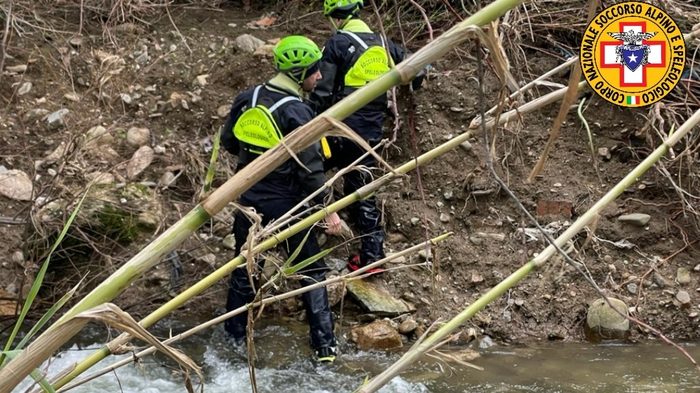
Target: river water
x,y
284,367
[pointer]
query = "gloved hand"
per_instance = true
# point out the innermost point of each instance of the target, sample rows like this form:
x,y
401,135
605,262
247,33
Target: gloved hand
x,y
417,82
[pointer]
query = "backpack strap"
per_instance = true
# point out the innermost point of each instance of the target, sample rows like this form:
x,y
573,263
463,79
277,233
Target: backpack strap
x,y
356,38
256,92
283,101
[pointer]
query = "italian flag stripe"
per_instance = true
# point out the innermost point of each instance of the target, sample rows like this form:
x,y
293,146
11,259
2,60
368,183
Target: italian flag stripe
x,y
632,100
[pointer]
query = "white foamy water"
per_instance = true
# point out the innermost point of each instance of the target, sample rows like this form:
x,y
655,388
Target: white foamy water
x,y
284,367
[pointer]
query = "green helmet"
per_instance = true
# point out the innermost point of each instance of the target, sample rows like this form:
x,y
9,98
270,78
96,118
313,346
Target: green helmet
x,y
341,9
295,54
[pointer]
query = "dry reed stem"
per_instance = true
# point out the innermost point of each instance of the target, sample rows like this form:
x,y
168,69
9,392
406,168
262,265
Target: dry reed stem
x,y
569,98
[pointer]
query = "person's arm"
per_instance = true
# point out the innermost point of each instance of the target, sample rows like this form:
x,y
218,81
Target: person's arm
x,y
311,177
228,140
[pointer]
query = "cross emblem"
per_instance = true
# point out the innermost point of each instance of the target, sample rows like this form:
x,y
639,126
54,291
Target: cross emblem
x,y
632,72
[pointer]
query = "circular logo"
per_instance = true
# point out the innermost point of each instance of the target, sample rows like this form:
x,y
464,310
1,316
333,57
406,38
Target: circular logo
x,y
632,54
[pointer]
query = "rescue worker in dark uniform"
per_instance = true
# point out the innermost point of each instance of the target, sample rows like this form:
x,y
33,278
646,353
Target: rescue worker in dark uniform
x,y
259,119
353,57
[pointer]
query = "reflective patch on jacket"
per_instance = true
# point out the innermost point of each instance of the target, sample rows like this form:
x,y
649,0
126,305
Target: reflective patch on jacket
x,y
370,61
256,128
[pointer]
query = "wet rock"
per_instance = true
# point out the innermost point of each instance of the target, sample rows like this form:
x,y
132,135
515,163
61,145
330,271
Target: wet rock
x,y
683,298
486,342
408,326
444,218
100,178
465,355
223,111
248,43
138,137
229,242
373,297
377,335
683,276
15,184
603,322
142,159
636,219
24,89
56,119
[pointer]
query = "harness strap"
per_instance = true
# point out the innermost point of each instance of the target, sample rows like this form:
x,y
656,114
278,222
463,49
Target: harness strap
x,y
357,39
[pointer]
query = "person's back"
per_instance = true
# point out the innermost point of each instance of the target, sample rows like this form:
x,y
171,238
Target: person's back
x,y
259,120
281,98
353,57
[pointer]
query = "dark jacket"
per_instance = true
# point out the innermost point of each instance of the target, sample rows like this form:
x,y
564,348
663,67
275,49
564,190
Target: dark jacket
x,y
338,57
289,180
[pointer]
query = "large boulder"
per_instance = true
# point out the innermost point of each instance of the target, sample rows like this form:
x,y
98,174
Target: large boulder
x,y
604,323
377,335
375,298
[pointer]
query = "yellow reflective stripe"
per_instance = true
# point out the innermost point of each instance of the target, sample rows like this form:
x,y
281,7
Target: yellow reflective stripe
x,y
369,66
325,148
257,127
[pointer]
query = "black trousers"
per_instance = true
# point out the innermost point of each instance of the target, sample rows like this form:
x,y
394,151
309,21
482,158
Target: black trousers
x,y
318,311
364,213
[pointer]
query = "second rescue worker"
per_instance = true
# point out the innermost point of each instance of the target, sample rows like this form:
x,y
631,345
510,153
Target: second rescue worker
x,y
353,57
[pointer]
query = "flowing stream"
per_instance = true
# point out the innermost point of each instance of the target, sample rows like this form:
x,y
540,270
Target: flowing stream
x,y
284,366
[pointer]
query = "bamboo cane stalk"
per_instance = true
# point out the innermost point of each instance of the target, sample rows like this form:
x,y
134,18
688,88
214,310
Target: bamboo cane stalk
x,y
268,300
538,103
304,136
380,380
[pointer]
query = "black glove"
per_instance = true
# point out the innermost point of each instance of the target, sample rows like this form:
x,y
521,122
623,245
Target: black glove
x,y
417,81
